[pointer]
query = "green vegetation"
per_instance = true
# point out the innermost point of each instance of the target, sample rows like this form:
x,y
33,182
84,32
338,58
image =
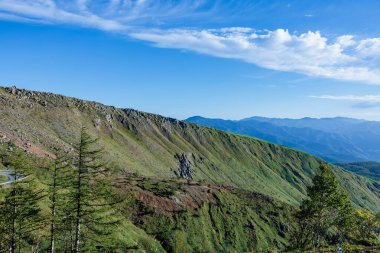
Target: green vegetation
x,y
241,197
20,213
3,178
185,216
180,214
326,216
149,145
159,188
49,195
92,196
367,169
367,224
209,218
59,172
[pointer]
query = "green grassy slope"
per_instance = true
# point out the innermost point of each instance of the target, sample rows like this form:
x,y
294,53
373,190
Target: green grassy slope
x,y
180,215
217,219
368,169
126,235
148,144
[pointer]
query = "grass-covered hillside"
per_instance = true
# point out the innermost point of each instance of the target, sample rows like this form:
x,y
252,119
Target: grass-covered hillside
x,y
155,146
176,215
368,169
189,216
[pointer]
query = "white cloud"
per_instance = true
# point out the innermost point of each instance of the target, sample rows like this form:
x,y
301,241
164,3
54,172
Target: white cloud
x,y
311,53
369,48
48,11
360,101
108,15
308,53
345,40
352,98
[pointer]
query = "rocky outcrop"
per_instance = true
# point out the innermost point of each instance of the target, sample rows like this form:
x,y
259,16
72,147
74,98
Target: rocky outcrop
x,y
185,166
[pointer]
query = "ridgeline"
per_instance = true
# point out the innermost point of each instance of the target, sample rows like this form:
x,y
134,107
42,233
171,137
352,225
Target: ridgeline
x,y
182,176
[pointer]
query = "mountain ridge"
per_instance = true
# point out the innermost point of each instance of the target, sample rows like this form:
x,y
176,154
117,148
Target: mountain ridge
x,y
156,146
336,140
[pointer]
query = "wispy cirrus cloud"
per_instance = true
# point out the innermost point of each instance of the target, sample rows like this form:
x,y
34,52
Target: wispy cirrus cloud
x,y
342,58
49,11
359,101
108,15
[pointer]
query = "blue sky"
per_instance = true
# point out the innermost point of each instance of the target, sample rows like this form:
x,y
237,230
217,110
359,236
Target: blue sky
x,y
225,59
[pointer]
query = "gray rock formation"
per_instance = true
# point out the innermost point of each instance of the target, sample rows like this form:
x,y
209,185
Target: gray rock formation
x,y
185,166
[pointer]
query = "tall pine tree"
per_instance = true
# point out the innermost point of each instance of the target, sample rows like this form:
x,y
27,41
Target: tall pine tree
x,y
20,213
326,216
92,195
59,182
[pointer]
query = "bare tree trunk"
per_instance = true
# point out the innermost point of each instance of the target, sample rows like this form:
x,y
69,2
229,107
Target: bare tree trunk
x,y
14,217
13,240
19,237
67,241
36,244
64,244
52,231
78,213
77,237
52,227
78,197
71,238
318,236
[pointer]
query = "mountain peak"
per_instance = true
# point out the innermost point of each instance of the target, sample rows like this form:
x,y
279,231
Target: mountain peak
x,y
194,118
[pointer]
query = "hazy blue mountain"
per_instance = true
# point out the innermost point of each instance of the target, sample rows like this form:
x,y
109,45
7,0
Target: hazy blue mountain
x,y
333,139
335,125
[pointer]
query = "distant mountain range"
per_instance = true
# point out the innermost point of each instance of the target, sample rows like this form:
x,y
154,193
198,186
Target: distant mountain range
x,y
333,139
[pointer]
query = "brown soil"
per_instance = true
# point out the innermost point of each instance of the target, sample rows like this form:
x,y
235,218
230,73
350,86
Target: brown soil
x,y
188,196
27,146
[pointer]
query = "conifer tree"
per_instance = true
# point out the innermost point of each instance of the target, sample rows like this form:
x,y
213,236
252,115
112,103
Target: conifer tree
x,y
19,211
326,216
92,196
60,178
367,227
